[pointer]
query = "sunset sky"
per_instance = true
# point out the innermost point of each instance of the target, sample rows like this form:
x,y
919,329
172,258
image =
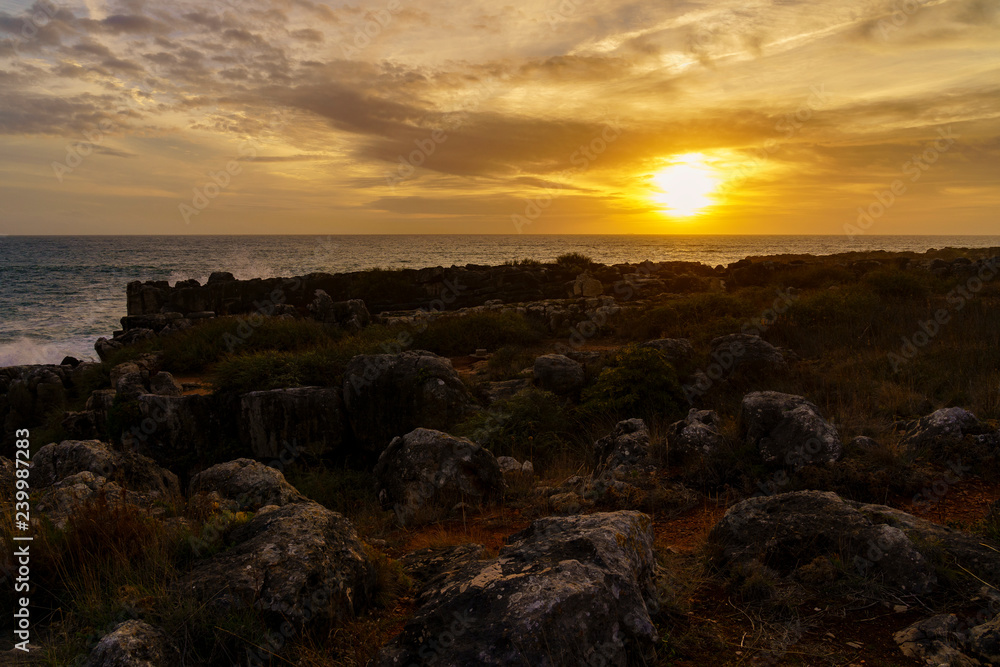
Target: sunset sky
x,y
448,116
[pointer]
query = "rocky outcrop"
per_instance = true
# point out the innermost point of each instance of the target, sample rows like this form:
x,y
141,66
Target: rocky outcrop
x,y
59,502
349,315
296,420
299,564
787,429
747,352
626,445
428,566
164,384
30,394
515,471
787,531
587,286
941,431
559,374
57,461
387,395
178,430
250,484
698,434
426,473
566,591
942,640
134,644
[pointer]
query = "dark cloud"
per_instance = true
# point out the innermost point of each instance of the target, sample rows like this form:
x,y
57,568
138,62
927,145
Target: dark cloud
x,y
134,24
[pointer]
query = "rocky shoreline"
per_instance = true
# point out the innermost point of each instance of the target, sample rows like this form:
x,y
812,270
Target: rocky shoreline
x,y
557,412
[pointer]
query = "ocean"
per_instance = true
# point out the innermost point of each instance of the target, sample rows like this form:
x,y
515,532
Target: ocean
x,y
58,294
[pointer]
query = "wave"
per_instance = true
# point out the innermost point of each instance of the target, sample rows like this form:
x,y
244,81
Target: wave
x,y
28,351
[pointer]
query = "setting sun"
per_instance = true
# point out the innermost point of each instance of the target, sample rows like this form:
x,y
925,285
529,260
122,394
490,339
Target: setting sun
x,y
685,187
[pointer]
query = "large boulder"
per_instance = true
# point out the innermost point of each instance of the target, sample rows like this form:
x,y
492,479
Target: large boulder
x,y
57,461
748,352
698,433
938,640
587,286
303,419
787,429
134,644
179,430
425,473
388,395
787,531
565,591
626,445
941,430
352,315
301,564
251,484
559,374
164,384
60,501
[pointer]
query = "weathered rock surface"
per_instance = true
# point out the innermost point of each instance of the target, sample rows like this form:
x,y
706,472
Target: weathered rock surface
x,y
425,473
626,445
57,461
427,566
747,351
164,384
300,563
292,421
176,430
352,315
566,591
698,433
937,640
786,531
941,430
134,644
559,374
587,286
57,503
787,429
251,484
387,395
514,470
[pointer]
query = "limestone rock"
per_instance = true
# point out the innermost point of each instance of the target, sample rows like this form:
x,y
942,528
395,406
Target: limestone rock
x,y
425,473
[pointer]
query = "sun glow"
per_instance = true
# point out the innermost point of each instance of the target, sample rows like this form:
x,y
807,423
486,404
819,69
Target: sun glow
x,y
685,187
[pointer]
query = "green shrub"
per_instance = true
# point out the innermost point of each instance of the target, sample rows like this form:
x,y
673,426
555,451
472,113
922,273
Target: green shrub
x,y
321,367
508,361
532,424
891,284
464,334
639,382
574,259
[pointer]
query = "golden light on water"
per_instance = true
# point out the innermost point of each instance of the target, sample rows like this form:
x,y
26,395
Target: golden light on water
x,y
686,186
